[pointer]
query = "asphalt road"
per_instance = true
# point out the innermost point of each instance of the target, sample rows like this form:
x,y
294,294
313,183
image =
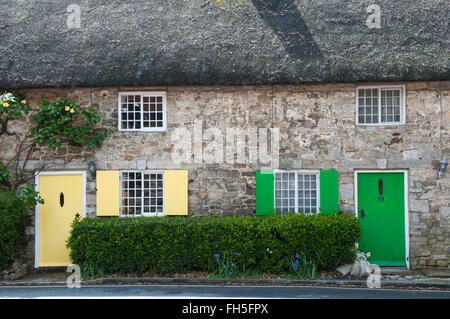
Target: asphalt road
x,y
207,292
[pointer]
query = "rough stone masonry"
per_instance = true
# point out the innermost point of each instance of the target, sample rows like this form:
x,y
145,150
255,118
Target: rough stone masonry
x,y
317,131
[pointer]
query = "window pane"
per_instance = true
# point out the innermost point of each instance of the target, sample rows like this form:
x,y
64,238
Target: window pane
x,y
375,101
130,106
307,197
285,192
390,105
367,106
138,197
153,111
291,184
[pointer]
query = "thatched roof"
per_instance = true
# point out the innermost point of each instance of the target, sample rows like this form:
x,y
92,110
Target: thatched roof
x,y
180,42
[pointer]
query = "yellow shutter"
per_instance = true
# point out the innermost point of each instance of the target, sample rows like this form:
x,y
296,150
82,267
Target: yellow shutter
x,y
176,192
108,189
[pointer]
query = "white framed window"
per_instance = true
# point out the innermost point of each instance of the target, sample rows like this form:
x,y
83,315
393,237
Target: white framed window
x,y
141,193
380,105
142,111
297,191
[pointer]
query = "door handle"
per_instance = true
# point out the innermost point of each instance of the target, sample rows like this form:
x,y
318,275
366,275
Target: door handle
x,y
61,199
362,213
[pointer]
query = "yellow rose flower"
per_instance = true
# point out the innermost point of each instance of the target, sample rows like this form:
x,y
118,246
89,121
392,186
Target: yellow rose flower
x,y
5,104
72,111
23,101
67,108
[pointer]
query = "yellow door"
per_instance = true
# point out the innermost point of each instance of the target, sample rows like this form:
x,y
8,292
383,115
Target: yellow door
x,y
63,196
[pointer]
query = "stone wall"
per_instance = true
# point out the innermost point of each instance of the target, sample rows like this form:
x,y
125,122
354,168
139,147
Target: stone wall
x,y
317,130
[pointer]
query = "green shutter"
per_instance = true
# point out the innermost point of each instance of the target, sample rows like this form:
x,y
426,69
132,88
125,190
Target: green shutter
x,y
264,193
329,195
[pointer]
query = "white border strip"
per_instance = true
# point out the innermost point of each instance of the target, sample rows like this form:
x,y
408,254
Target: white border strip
x,y
36,218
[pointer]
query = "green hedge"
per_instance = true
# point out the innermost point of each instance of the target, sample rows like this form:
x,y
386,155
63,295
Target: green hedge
x,y
11,216
178,244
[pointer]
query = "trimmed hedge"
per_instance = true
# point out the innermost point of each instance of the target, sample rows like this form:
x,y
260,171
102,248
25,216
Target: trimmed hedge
x,y
179,244
11,216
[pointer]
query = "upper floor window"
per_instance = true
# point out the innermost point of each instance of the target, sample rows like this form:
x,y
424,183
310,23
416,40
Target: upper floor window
x,y
142,111
383,105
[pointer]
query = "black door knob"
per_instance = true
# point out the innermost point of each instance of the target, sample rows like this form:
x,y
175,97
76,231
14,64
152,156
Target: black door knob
x,y
362,213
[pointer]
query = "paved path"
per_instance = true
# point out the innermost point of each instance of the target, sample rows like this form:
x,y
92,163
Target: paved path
x,y
216,292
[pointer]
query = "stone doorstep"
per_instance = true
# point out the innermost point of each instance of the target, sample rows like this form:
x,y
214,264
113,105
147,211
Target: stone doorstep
x,y
400,271
437,273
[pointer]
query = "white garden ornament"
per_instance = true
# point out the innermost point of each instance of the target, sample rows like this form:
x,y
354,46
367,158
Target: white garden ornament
x,y
360,268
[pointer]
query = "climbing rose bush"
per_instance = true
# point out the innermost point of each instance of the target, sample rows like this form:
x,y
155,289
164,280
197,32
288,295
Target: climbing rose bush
x,y
63,121
12,107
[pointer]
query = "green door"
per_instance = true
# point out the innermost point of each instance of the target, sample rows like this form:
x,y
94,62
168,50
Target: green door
x,y
381,213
